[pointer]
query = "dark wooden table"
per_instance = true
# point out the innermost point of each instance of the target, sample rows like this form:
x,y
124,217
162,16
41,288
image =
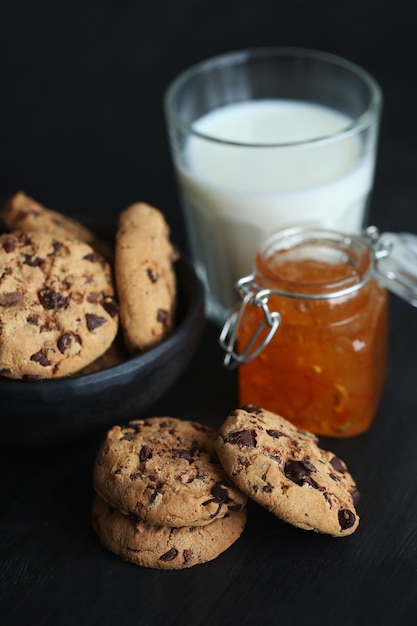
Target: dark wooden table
x,y
82,130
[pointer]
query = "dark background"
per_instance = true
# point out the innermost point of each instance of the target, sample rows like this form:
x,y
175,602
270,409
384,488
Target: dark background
x,y
81,119
82,131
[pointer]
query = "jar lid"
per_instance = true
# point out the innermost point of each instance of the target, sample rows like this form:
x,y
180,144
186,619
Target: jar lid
x,y
395,262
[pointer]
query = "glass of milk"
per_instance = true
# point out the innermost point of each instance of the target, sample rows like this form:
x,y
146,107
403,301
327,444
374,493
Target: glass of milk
x,y
264,139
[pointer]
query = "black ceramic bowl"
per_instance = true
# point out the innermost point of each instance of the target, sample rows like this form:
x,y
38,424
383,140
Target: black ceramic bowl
x,y
49,411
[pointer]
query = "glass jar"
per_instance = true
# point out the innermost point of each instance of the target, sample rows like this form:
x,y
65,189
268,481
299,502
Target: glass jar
x,y
311,330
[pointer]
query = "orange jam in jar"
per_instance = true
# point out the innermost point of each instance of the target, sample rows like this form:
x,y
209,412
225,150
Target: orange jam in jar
x,y
324,366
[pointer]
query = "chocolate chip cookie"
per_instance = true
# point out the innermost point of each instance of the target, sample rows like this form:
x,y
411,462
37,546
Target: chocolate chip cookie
x,y
164,471
58,310
23,213
163,547
283,469
145,276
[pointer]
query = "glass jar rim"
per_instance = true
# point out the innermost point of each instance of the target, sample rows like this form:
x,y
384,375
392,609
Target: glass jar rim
x,y
355,250
363,121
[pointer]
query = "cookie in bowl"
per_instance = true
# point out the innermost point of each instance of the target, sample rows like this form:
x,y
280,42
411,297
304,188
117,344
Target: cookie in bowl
x,y
145,276
58,310
21,212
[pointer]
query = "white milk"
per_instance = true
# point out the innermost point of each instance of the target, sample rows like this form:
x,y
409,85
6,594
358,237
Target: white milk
x,y
236,195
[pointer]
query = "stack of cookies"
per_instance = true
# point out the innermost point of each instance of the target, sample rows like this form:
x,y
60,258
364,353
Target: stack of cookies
x,y
171,494
162,498
63,290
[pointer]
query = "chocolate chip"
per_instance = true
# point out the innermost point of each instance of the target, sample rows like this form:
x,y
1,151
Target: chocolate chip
x,y
127,437
9,244
15,240
252,408
346,519
52,299
157,491
145,453
180,453
197,450
56,247
94,321
33,319
338,465
220,497
220,493
275,433
67,340
309,465
169,556
7,299
187,556
162,316
32,261
299,471
111,306
242,438
41,358
92,257
153,277
355,496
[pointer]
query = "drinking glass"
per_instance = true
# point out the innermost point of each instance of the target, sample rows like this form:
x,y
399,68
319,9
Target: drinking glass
x,y
264,139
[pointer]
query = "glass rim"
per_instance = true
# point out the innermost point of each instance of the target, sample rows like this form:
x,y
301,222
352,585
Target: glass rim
x,y
365,120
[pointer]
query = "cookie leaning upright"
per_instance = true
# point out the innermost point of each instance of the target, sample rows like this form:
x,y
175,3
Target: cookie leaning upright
x,y
145,276
283,469
57,305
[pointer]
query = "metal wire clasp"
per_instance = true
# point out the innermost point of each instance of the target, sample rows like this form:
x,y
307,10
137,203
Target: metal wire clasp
x,y
380,245
392,257
250,293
